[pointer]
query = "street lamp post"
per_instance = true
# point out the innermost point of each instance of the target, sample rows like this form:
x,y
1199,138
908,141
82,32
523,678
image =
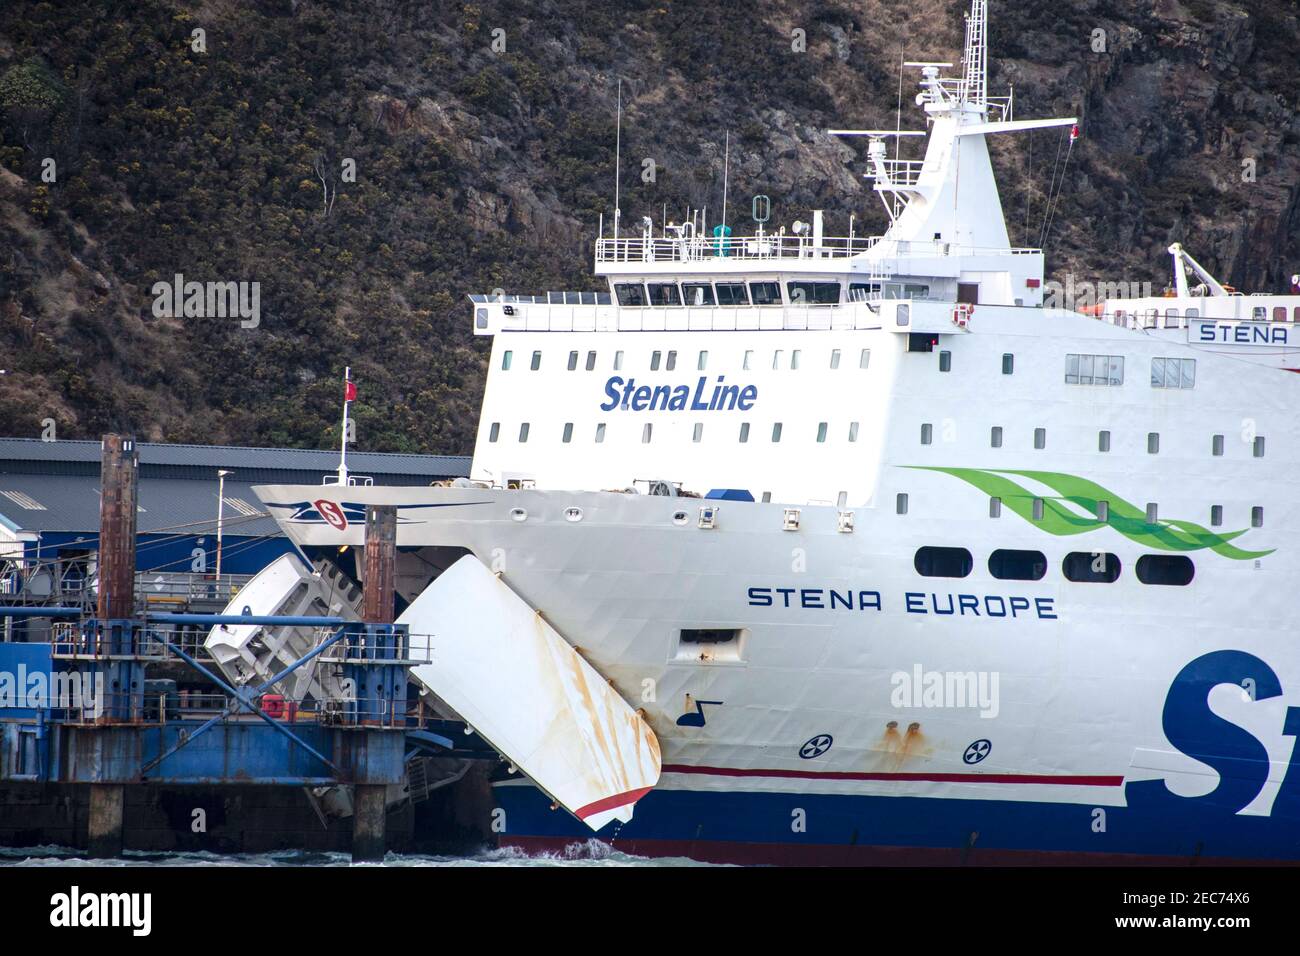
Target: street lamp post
x,y
221,511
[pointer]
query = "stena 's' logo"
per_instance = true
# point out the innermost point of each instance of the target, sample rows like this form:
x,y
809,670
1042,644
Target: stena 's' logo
x,y
629,396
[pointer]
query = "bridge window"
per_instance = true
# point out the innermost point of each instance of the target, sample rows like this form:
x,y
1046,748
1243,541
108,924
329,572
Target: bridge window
x,y
573,361
765,293
1009,565
1175,570
1173,373
1103,441
1153,443
1040,438
1216,516
506,356
655,359
749,357
812,293
853,431
864,359
591,361
861,291
945,361
647,431
1094,369
821,432
1257,517
927,433
744,432
900,503
523,432
698,293
568,433
703,362
1259,313
943,562
835,358
995,436
663,293
618,361
732,293
630,294
995,507
1216,446
1008,363
537,361
1259,446
672,361
776,431
1087,567
698,433
600,433
494,432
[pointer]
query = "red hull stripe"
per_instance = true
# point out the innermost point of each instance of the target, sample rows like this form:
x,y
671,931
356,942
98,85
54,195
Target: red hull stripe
x,y
1062,780
610,803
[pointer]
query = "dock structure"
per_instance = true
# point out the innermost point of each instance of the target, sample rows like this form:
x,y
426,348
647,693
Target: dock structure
x,y
85,712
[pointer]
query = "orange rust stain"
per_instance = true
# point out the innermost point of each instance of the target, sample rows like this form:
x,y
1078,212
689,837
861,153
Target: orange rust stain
x,y
894,750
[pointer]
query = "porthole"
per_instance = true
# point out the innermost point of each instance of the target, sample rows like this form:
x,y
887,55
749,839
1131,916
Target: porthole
x,y
1089,567
680,517
1166,569
518,514
572,514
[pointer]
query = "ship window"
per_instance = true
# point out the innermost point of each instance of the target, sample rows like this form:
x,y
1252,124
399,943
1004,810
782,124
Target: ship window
x,y
1279,313
672,361
776,359
537,361
506,356
916,291
646,432
821,431
945,361
663,293
1216,515
494,432
744,432
618,360
630,293
1153,512
943,562
708,635
1216,445
995,436
861,291
995,507
655,359
767,496
1040,438
1193,313
1167,569
1094,369
776,431
853,431
835,358
1038,509
927,434
698,432
591,361
1257,517
1173,373
841,500
813,293
794,359
900,503
1097,567
1009,565
749,357
1008,363
1259,313
600,433
698,293
765,293
864,359
1103,441
1153,443
573,361
1103,511
568,432
703,361
1171,318
732,293
1296,313
902,316
1259,446
523,432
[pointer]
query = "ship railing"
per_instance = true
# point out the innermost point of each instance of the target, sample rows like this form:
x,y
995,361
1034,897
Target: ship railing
x,y
364,481
775,246
80,700
610,318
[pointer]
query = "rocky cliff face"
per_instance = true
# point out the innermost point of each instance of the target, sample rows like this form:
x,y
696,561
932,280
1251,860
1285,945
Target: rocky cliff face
x,y
369,164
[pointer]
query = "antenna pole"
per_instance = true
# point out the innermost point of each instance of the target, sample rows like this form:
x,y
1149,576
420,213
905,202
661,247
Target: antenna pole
x,y
618,155
343,436
726,168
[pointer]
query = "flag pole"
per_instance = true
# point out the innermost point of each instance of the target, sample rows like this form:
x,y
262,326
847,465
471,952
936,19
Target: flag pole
x,y
343,437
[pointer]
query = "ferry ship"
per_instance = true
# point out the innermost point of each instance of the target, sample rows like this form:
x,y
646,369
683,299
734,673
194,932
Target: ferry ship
x,y
792,548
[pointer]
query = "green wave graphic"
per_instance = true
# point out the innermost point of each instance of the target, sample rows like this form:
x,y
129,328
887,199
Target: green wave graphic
x,y
1123,516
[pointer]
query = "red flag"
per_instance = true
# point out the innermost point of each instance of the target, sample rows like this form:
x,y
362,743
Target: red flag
x,y
349,391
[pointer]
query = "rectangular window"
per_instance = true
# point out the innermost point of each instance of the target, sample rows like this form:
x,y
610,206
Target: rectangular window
x,y
591,361
699,432
1173,373
600,433
732,293
1259,446
749,357
812,293
1103,511
853,431
945,361
995,507
655,359
523,432
618,360
776,431
568,433
647,431
862,291
672,361
744,432
703,362
995,436
698,293
1257,517
927,434
864,359
537,361
1153,513
1216,446
630,294
494,432
1008,363
573,361
1103,441
1279,313
1093,369
1040,438
776,359
794,359
900,503
1038,509
821,431
1153,443
1216,515
835,358
765,293
506,356
663,293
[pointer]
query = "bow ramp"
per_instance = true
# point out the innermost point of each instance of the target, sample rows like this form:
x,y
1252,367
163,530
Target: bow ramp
x,y
524,689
